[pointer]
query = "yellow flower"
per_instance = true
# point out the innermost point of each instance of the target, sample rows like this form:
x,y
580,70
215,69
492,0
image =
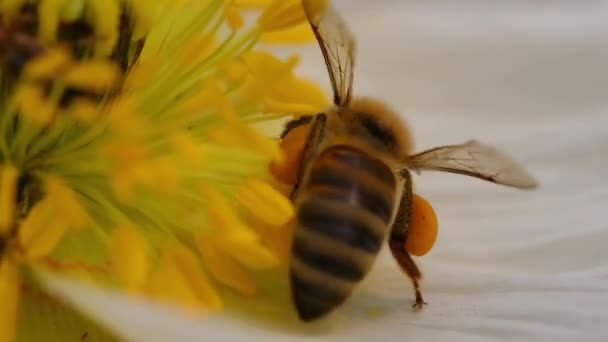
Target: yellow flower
x,y
128,156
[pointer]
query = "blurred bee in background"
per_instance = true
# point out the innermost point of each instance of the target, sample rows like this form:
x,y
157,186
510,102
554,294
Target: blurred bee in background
x,y
19,45
349,175
21,31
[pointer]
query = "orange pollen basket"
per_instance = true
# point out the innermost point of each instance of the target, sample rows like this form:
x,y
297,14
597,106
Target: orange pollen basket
x,y
422,229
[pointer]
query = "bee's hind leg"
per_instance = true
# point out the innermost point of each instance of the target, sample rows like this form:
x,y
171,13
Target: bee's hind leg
x,y
409,267
398,236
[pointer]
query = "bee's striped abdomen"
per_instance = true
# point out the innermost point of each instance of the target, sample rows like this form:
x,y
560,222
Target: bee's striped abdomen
x,y
344,208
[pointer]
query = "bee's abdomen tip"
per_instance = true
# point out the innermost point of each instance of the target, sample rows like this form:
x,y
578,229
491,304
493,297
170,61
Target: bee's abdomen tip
x,y
312,302
309,311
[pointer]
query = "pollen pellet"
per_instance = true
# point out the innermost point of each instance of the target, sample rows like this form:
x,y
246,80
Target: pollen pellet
x,y
293,146
422,229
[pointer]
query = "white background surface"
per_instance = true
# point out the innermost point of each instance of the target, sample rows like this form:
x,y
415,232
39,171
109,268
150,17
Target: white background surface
x,y
528,76
532,79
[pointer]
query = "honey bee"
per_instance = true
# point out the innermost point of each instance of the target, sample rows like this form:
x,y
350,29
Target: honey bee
x,y
349,172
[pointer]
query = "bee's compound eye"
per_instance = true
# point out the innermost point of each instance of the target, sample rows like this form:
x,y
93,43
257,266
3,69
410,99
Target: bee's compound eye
x,y
292,145
422,229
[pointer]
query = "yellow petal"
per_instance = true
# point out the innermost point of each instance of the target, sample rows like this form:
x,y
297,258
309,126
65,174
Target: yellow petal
x,y
302,91
268,75
85,111
126,157
297,34
125,154
34,106
122,185
234,236
48,64
215,94
167,284
281,14
129,257
266,203
197,49
268,68
142,73
190,269
247,250
123,118
185,145
39,239
8,189
34,223
72,11
10,284
48,19
145,13
49,219
233,18
70,211
160,174
106,21
224,269
290,108
221,216
277,240
221,136
92,75
247,134
264,145
235,72
252,3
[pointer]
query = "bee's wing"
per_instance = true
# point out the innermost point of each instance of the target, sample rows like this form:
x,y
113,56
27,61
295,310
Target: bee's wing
x,y
474,159
337,44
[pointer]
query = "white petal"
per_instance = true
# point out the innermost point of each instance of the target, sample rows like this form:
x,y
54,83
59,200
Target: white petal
x,y
139,320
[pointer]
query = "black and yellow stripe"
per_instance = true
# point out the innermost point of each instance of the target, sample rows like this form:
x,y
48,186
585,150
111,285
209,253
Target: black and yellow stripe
x,y
344,209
